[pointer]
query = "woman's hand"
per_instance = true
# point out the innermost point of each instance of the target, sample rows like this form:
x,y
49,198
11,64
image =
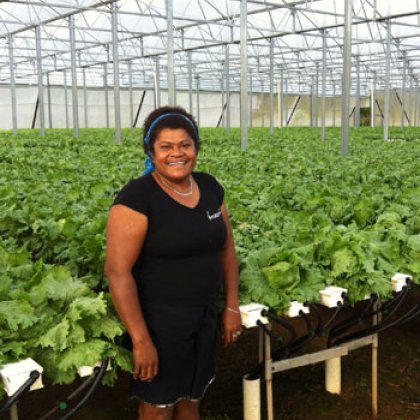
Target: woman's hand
x,y
232,327
146,361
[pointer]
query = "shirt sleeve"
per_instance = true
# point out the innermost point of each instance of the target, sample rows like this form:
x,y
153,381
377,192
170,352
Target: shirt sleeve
x,y
135,195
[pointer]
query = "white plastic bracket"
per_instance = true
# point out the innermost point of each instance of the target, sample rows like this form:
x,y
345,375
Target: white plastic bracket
x,y
331,296
295,307
14,375
399,280
88,370
251,313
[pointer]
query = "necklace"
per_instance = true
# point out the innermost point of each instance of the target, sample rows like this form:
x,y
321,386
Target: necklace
x,y
185,194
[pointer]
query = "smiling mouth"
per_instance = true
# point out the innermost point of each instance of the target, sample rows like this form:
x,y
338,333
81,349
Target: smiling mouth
x,y
176,163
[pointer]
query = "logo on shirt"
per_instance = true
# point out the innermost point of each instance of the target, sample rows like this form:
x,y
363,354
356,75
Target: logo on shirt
x,y
214,215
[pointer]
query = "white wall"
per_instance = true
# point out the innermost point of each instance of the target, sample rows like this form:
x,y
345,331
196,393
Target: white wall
x,y
210,108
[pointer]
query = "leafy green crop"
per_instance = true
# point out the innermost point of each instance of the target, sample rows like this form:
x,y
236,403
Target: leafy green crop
x,y
303,216
54,318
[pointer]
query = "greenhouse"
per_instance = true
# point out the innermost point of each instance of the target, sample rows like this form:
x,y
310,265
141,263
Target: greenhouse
x,y
307,113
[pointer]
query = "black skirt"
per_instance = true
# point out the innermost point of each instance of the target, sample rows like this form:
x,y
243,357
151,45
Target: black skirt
x,y
185,339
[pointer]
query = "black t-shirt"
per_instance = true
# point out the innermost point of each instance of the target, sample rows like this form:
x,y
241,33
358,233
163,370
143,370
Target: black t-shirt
x,y
180,262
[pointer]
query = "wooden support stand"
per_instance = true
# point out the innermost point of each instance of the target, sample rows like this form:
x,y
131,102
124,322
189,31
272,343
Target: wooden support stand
x,y
332,358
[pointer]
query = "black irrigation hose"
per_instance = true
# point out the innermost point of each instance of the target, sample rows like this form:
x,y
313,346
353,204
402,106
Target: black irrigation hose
x,y
352,320
404,293
414,311
70,397
98,378
340,306
307,322
394,304
281,322
363,314
278,339
33,376
312,306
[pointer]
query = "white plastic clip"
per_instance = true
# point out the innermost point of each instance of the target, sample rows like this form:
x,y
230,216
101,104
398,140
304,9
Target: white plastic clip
x,y
295,307
331,296
14,375
88,370
399,280
251,313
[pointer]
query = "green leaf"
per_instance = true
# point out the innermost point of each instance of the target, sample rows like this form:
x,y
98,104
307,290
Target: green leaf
x,y
16,314
343,261
56,337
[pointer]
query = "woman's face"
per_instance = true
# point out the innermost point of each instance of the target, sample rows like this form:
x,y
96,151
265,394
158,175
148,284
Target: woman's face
x,y
174,154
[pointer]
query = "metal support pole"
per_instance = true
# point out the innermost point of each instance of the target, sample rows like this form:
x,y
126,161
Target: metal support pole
x,y
416,107
130,91
106,94
403,92
244,76
345,89
324,78
157,82
281,108
74,93
40,86
262,105
286,100
251,93
334,99
116,73
313,99
12,83
170,48
190,88
85,98
66,98
222,114
373,100
227,80
387,80
316,94
279,115
49,102
197,78
412,103
357,107
268,376
271,75
375,321
14,412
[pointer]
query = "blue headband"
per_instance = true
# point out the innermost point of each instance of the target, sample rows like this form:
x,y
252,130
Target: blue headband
x,y
149,165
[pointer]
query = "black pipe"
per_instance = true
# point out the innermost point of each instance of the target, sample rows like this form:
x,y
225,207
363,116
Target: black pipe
x,y
268,332
414,311
394,304
33,376
280,321
340,306
99,375
69,398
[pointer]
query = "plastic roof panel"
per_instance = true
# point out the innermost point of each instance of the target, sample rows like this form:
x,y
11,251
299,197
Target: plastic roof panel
x,y
205,31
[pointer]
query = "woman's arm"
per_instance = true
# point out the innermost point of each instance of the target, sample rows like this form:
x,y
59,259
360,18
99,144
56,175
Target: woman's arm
x,y
231,316
126,232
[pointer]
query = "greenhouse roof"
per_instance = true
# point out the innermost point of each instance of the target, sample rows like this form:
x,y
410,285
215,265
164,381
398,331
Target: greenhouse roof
x,y
206,36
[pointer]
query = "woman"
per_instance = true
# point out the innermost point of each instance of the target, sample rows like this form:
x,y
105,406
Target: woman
x,y
169,247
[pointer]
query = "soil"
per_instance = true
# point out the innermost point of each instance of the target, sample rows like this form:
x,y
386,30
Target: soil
x,y
298,393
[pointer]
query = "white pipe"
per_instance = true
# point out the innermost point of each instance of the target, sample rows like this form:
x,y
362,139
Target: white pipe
x,y
333,375
252,398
